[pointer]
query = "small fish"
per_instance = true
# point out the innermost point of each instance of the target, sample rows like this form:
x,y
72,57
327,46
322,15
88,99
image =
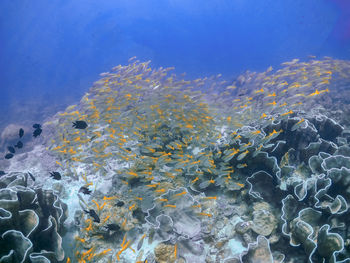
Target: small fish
x,y
131,59
272,135
258,150
241,165
19,145
240,185
205,184
36,126
242,155
263,116
229,154
175,251
55,175
79,125
205,214
173,206
93,137
2,173
256,132
8,156
84,190
140,243
31,176
195,180
259,91
210,198
11,149
182,193
314,93
93,214
21,133
297,125
37,132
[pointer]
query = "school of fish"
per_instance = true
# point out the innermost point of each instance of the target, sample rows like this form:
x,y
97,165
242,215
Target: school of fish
x,y
153,131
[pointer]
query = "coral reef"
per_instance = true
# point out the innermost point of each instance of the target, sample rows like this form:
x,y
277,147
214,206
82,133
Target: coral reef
x,y
251,171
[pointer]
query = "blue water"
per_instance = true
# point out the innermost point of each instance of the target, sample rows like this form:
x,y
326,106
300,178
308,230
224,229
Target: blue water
x,y
52,51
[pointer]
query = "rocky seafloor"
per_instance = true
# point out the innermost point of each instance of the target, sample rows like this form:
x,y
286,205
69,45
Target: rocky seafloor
x,y
257,170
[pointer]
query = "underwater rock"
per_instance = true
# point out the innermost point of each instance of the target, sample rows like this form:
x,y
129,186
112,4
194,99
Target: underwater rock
x,y
191,250
185,221
225,208
264,222
164,253
258,252
242,227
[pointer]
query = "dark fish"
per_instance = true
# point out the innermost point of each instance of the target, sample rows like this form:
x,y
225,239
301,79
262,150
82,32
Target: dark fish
x,y
2,173
112,227
79,124
36,126
56,175
139,245
19,145
37,132
8,156
31,176
93,214
84,190
20,133
120,203
11,149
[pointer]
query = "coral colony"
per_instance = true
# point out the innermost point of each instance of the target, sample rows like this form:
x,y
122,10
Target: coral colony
x,y
155,168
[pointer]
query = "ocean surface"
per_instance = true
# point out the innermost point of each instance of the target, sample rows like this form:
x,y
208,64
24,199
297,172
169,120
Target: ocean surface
x,y
175,131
